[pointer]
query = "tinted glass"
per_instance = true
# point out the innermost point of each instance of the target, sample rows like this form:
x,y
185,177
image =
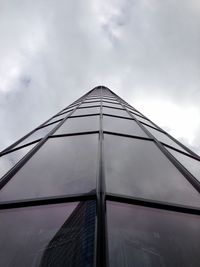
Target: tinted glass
x,y
164,138
37,134
191,164
64,165
147,237
54,235
124,126
9,160
84,111
113,105
138,168
79,124
116,112
144,120
90,104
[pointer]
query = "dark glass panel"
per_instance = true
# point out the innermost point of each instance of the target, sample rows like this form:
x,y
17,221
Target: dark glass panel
x,y
191,164
79,124
138,168
144,120
85,111
90,104
40,133
112,105
147,237
116,112
54,235
9,160
64,165
124,126
164,138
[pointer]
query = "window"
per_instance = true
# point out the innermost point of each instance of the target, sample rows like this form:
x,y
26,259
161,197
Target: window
x,y
9,160
189,163
116,112
124,126
112,105
138,168
57,118
77,124
85,111
62,166
144,120
85,104
139,236
49,235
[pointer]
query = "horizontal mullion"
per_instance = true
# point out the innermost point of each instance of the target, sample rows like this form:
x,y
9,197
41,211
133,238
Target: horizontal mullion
x,y
75,133
127,135
117,116
47,201
152,204
84,115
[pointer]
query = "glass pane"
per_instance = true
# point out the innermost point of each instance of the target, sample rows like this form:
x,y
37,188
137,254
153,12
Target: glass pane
x,y
42,132
116,112
9,160
65,165
124,126
90,104
164,138
112,105
57,118
144,120
133,110
85,111
138,168
79,124
53,235
147,237
65,112
191,164
112,100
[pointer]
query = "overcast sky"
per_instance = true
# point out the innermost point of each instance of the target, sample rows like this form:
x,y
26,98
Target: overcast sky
x,y
147,51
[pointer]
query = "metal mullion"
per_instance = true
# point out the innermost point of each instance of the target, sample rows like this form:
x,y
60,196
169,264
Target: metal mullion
x,y
117,116
152,204
191,179
95,106
85,115
128,136
112,107
46,201
50,123
101,245
8,176
74,134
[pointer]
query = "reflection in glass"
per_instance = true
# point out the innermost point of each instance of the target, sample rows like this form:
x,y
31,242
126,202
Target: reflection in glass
x,y
164,138
40,133
77,124
138,168
191,164
116,112
64,165
147,237
54,235
85,111
124,126
9,160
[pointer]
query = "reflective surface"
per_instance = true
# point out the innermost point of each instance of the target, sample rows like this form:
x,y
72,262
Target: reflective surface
x,y
64,165
191,164
111,104
124,126
90,104
79,124
9,160
146,237
40,133
116,112
144,120
54,235
137,168
84,111
164,138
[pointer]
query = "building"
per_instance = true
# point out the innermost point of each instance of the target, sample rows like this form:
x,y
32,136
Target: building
x,y
99,184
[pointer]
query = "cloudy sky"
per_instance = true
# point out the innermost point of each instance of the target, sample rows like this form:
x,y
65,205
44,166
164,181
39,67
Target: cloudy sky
x,y
147,51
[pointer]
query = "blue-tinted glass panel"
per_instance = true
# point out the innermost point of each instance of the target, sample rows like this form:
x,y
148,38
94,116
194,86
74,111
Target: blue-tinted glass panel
x,y
138,168
9,160
64,165
53,235
116,112
191,164
164,138
123,126
86,111
147,237
79,124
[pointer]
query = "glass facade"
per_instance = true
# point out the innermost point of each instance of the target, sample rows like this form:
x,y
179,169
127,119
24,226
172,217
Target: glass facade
x,y
99,185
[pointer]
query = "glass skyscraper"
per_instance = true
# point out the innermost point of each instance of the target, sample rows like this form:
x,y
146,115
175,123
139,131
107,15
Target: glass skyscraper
x,y
99,184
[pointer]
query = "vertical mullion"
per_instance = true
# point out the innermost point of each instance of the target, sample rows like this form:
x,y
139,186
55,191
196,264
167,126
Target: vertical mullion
x,y
101,256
